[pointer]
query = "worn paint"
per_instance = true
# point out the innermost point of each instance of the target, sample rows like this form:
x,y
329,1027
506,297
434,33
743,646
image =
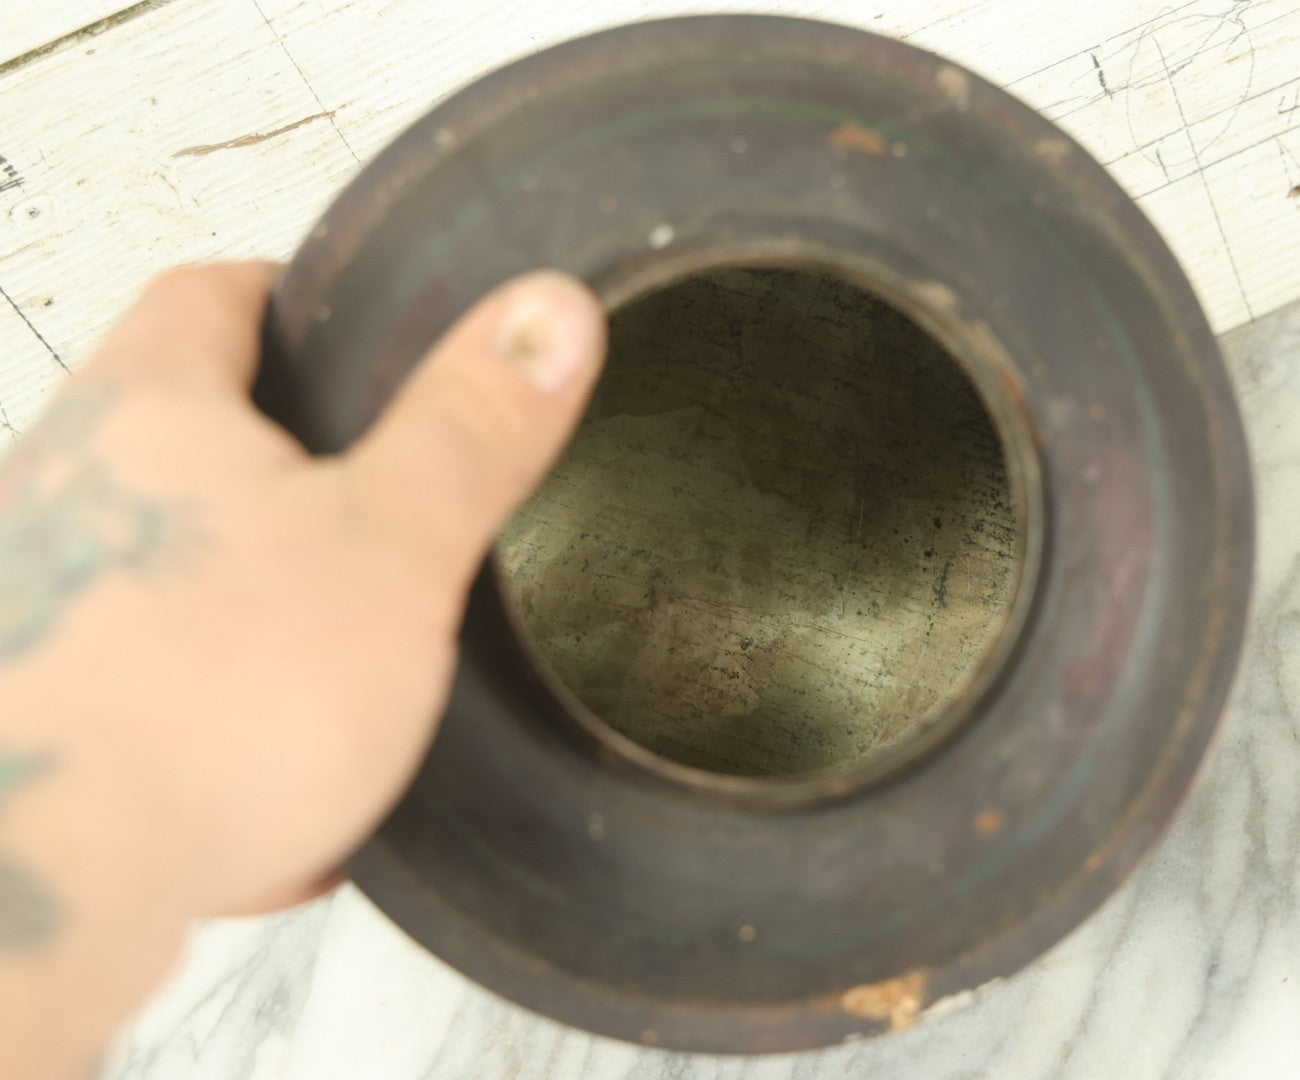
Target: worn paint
x,y
955,85
896,1002
851,136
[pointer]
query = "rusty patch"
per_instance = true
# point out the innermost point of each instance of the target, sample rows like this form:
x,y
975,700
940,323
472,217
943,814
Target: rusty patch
x,y
897,1001
1052,150
990,821
955,85
984,341
851,136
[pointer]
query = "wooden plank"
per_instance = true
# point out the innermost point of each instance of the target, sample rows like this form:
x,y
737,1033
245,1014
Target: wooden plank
x,y
22,386
1200,91
197,130
185,134
1156,91
28,25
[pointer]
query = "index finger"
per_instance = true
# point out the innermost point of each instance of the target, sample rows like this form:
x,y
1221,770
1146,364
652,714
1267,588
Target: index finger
x,y
199,325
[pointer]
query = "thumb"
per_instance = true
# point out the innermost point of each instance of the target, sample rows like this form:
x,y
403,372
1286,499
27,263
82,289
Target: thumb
x,y
480,420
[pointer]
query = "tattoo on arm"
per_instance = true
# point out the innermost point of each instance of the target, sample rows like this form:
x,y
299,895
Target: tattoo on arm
x,y
29,915
65,521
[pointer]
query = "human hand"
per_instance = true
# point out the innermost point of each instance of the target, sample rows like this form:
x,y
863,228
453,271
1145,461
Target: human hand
x,y
221,660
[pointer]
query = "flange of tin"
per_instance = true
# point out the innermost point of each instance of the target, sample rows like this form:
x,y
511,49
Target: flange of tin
x,y
745,916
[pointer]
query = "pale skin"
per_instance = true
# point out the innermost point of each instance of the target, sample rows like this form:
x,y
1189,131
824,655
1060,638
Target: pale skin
x,y
221,660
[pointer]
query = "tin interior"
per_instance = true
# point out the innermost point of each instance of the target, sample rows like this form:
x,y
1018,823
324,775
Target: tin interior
x,y
784,540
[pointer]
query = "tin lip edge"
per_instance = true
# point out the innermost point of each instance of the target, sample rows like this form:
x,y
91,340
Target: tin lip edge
x,y
934,307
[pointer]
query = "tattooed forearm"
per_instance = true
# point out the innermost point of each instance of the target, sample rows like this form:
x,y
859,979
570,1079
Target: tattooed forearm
x,y
65,522
29,915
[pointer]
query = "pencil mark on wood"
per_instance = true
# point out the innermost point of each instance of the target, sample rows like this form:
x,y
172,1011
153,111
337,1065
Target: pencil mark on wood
x,y
1101,76
1214,209
249,140
1290,163
307,82
9,176
32,327
1157,59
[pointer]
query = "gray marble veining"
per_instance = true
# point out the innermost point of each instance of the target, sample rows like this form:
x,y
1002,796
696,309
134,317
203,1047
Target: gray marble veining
x,y
1191,971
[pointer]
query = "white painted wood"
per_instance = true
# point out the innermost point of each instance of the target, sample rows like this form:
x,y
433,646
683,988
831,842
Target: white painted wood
x,y
111,142
1195,106
26,25
1157,91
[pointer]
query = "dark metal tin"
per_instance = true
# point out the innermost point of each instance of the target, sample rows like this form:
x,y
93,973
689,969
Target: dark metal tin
x,y
709,916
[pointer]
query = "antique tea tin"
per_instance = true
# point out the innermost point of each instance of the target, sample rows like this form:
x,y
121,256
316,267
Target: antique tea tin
x,y
878,617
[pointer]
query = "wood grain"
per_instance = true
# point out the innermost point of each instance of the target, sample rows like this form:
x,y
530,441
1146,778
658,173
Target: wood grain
x,y
28,27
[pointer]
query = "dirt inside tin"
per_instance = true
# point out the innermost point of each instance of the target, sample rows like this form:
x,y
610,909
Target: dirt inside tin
x,y
783,537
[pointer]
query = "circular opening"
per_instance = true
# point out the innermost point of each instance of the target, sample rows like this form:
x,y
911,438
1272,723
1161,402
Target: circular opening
x,y
784,540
